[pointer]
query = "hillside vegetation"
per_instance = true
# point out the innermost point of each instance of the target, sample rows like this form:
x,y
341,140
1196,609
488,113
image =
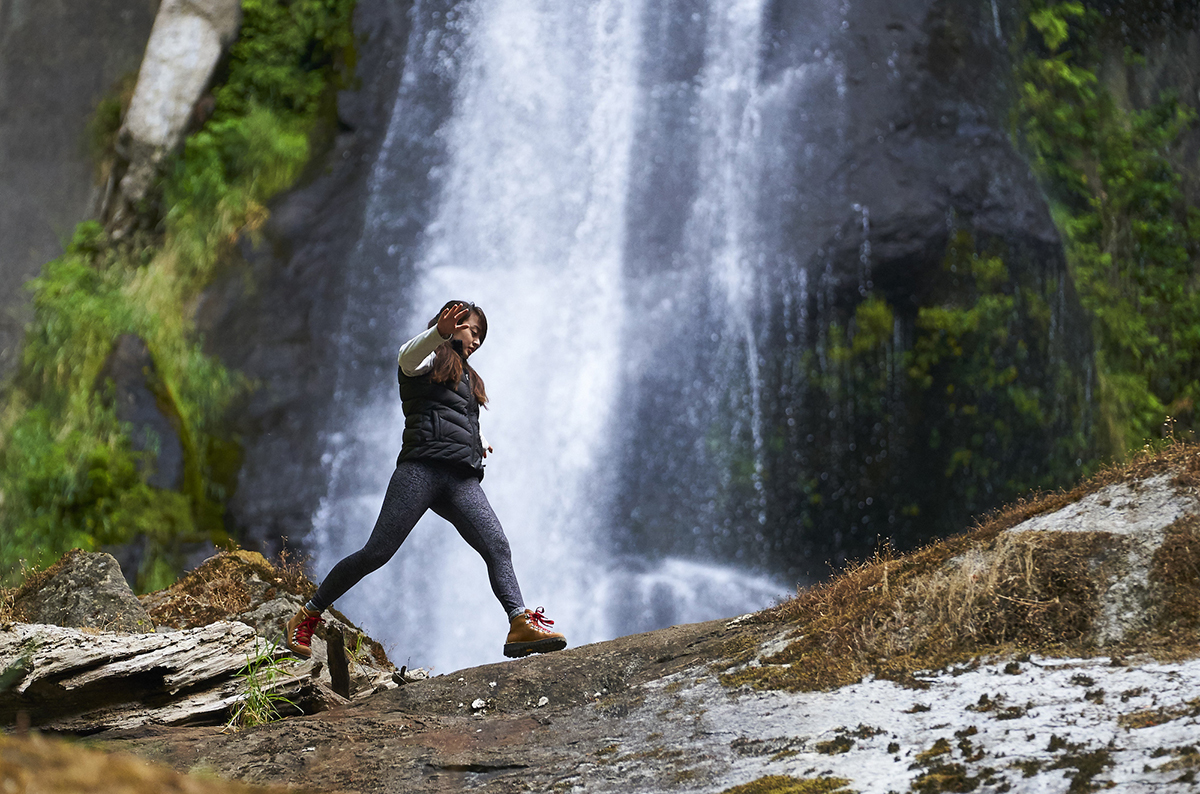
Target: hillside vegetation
x,y
70,474
988,592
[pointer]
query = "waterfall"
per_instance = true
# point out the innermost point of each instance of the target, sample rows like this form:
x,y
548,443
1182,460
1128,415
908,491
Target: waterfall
x,y
511,188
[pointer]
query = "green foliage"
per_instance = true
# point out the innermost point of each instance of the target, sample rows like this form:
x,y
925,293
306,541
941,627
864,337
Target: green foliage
x,y
915,418
984,390
1052,22
78,310
259,702
287,55
1132,239
69,475
80,486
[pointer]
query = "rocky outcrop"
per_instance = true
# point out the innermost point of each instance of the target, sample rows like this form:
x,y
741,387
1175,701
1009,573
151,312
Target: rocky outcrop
x,y
57,61
667,710
85,591
645,713
214,650
187,41
672,710
1130,523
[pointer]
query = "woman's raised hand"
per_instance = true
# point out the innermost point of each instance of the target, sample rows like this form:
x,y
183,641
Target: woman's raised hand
x,y
451,319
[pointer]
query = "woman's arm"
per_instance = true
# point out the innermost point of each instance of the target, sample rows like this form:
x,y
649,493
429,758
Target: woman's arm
x,y
416,355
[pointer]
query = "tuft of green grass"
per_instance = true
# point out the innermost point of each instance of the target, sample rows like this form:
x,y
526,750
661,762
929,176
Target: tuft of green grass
x,y
260,701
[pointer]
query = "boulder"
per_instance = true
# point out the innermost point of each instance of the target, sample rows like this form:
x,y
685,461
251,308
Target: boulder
x,y
83,590
186,42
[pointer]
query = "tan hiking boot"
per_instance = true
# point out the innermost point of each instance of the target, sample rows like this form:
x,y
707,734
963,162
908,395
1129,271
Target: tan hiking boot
x,y
297,633
530,633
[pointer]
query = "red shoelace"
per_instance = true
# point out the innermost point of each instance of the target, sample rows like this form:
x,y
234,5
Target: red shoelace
x,y
539,620
305,629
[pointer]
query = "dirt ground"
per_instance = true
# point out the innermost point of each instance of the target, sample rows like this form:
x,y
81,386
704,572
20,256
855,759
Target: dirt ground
x,y
482,726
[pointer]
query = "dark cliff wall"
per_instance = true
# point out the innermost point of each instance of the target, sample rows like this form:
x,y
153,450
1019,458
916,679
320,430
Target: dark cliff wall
x,y
919,132
895,120
58,59
277,320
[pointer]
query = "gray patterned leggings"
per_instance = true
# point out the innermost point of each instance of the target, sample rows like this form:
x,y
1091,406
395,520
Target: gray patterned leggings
x,y
416,487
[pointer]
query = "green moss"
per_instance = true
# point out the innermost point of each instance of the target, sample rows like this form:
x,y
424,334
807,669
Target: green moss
x,y
939,748
941,411
836,746
1087,766
945,777
785,784
1132,238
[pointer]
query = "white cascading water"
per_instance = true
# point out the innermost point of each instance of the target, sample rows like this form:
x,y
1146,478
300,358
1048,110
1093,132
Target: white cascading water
x,y
531,224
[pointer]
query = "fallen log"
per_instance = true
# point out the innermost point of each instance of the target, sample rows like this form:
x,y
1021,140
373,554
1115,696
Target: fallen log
x,y
81,681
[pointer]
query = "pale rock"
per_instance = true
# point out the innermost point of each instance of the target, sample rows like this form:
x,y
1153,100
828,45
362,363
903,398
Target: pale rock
x,y
186,42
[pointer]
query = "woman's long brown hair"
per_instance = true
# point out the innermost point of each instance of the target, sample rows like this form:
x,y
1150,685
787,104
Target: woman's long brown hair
x,y
448,364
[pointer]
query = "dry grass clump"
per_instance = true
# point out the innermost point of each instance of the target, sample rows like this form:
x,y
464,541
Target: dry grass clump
x,y
8,598
1175,575
230,583
985,592
224,586
36,765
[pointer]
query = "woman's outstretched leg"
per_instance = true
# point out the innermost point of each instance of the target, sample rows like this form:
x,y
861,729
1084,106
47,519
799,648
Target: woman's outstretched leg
x,y
412,489
466,507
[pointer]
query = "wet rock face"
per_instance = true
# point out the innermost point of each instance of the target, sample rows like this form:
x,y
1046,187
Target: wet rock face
x,y
130,368
881,134
57,60
83,590
920,134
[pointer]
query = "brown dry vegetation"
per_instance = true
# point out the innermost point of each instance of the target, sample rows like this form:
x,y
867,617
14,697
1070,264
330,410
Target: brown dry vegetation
x,y
221,588
785,784
232,582
983,593
37,765
7,600
1176,576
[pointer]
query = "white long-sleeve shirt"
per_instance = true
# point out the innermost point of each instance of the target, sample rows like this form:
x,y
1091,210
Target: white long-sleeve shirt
x,y
416,358
416,355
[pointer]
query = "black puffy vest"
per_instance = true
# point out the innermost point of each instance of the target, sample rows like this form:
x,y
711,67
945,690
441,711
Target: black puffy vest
x,y
440,423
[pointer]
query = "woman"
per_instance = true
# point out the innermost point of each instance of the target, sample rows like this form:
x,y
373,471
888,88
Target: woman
x,y
439,468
